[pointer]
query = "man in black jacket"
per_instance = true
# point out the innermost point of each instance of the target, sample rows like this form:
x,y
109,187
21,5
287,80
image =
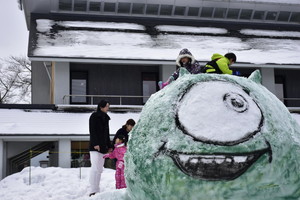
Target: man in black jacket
x,y
99,143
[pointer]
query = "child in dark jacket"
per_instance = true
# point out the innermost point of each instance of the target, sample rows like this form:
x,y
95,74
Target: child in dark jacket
x,y
118,153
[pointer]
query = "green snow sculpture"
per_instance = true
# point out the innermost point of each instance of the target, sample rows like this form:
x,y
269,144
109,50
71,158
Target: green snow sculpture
x,y
214,137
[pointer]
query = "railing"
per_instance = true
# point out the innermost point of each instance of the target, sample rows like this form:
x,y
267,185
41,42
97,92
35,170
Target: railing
x,y
102,96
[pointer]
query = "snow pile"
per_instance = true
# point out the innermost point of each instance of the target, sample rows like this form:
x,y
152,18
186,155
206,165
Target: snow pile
x,y
34,183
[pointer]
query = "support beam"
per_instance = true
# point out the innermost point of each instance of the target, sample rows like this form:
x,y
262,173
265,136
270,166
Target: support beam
x,y
52,84
2,160
64,153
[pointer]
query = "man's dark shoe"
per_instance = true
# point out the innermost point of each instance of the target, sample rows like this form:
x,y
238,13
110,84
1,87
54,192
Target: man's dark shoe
x,y
92,194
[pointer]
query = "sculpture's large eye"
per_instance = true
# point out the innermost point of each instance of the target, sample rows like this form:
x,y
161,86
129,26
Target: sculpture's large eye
x,y
236,102
218,112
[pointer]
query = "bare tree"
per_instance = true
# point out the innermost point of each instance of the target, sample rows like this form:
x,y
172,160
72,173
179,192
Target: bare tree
x,y
15,80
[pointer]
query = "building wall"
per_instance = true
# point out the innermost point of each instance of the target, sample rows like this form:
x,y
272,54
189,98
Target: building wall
x,y
108,79
40,89
62,82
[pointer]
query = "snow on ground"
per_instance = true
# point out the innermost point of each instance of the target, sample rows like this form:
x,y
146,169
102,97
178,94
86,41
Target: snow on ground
x,y
54,183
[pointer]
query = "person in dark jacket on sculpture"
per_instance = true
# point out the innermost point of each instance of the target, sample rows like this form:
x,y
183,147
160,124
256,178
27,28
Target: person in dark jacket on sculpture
x,y
99,143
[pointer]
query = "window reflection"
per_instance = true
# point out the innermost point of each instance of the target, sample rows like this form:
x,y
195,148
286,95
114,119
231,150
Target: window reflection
x,y
207,12
109,7
193,11
152,9
233,13
138,8
259,15
166,10
246,14
220,13
284,16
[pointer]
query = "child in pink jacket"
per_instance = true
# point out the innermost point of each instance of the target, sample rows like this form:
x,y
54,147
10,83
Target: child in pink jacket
x,y
118,153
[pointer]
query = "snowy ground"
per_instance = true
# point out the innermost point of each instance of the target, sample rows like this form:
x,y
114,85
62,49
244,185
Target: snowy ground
x,y
54,183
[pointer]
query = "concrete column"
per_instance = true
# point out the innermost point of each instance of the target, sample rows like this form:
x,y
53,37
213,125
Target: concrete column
x,y
64,156
268,79
2,163
61,82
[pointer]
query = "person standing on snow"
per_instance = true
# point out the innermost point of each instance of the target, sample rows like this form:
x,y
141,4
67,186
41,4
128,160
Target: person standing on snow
x,y
184,59
99,143
118,153
220,64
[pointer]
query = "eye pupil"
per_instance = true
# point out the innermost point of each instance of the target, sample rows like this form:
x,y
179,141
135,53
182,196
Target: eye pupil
x,y
236,102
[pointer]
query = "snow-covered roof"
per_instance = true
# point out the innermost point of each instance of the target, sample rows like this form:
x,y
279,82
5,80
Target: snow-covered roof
x,y
109,40
48,122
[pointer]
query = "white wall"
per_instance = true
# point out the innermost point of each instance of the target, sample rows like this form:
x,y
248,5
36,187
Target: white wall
x,y
62,82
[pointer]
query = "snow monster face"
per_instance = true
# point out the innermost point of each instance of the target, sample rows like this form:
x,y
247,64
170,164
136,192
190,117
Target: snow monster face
x,y
212,136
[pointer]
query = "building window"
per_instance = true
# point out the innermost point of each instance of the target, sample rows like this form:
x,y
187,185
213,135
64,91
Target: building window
x,y
246,14
207,12
79,87
260,15
109,7
138,8
193,11
95,6
284,16
80,154
271,16
166,10
65,5
179,10
295,17
233,13
80,5
152,9
220,13
124,8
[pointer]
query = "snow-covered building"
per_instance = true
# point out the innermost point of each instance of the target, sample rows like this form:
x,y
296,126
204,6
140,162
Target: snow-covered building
x,y
85,50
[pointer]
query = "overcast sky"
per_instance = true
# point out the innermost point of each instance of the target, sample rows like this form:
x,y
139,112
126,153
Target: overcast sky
x,y
13,34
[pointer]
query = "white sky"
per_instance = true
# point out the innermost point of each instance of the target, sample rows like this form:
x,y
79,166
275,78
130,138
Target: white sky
x,y
13,34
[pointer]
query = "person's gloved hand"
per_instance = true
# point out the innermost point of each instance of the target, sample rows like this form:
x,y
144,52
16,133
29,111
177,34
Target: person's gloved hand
x,y
106,156
237,73
120,165
162,85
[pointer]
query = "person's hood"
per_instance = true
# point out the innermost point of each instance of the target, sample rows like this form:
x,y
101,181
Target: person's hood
x,y
216,56
185,53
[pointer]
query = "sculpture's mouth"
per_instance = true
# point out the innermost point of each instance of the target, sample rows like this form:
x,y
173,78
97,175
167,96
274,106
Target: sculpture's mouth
x,y
215,166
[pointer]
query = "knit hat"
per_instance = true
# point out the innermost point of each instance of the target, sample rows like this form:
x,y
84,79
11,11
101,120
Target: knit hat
x,y
184,53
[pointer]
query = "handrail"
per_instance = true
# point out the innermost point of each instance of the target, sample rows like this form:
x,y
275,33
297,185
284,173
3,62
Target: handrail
x,y
103,96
